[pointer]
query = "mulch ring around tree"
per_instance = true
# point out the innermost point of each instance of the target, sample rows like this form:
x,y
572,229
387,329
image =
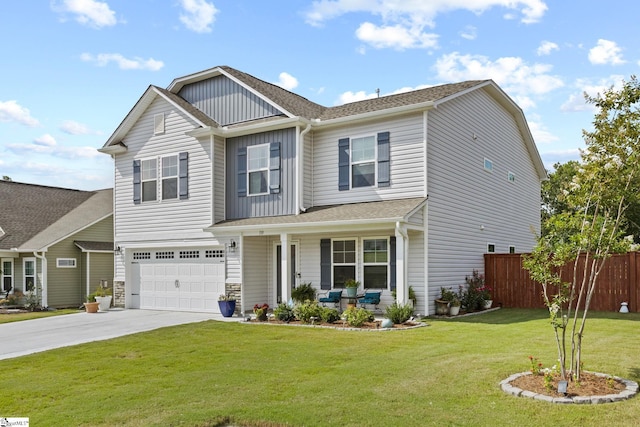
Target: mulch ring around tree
x,y
593,388
367,326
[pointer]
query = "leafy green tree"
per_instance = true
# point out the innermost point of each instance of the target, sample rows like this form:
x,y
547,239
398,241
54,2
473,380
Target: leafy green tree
x,y
592,225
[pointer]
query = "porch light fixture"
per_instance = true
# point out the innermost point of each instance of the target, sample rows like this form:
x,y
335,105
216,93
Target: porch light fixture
x,y
232,246
118,250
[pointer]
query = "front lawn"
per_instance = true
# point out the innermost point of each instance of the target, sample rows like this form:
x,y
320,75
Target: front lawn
x,y
16,317
205,373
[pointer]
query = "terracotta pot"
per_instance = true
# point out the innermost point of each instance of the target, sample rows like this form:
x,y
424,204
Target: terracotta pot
x,y
91,307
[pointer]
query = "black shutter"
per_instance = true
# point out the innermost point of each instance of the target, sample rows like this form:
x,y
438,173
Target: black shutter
x,y
242,171
184,175
274,168
392,260
325,264
343,164
137,185
384,169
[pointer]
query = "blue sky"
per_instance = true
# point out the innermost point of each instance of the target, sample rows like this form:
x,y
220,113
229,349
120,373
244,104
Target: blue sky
x,y
72,69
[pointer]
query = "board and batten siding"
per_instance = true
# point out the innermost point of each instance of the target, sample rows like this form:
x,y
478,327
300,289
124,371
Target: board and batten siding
x,y
468,206
226,101
218,179
171,219
406,134
281,203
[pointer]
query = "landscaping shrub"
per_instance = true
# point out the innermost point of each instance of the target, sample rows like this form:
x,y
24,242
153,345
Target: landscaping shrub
x,y
284,312
399,313
305,311
304,292
357,317
330,315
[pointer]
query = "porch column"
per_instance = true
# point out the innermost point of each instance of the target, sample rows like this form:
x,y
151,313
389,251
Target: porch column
x,y
285,267
402,290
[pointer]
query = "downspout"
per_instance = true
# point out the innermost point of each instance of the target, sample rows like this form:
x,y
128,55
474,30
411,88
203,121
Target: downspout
x,y
300,169
402,287
43,260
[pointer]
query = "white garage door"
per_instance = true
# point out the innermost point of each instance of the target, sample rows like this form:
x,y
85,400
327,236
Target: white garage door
x,y
180,279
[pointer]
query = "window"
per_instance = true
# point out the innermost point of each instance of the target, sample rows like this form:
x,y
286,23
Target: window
x,y
172,181
170,177
29,269
363,162
491,248
488,165
375,255
7,275
344,261
512,249
511,177
258,169
149,183
66,262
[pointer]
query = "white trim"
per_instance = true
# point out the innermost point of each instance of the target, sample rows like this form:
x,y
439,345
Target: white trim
x,y
494,248
258,148
364,264
355,262
3,275
25,260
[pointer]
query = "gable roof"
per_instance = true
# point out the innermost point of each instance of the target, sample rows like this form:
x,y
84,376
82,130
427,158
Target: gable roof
x,y
35,216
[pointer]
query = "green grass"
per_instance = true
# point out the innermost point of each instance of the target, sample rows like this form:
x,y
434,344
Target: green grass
x,y
17,317
446,374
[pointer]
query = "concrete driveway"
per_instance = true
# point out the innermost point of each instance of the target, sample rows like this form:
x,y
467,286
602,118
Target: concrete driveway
x,y
33,336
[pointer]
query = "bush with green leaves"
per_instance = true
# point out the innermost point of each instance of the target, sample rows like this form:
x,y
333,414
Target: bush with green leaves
x,y
473,296
399,313
305,311
284,312
330,315
304,292
357,317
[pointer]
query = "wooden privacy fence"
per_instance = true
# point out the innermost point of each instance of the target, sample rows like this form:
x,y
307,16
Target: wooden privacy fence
x,y
512,287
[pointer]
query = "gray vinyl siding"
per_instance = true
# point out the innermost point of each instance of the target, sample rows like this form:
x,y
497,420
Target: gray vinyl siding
x,y
469,207
282,203
227,102
218,179
169,219
256,257
406,156
308,168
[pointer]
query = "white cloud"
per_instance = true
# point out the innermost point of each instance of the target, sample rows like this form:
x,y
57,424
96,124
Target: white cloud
x,y
470,32
287,81
74,128
11,111
102,59
199,15
606,52
395,36
576,101
546,47
540,133
520,79
347,97
403,21
45,140
92,13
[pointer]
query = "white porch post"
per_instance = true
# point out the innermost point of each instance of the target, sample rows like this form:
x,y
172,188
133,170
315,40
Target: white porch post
x,y
285,267
402,290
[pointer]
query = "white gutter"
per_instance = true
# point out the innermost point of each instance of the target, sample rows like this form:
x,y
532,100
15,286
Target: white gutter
x,y
43,259
300,168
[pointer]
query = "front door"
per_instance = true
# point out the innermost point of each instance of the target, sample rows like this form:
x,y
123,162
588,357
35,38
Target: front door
x,y
293,262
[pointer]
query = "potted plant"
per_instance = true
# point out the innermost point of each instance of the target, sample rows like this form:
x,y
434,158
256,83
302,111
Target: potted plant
x,y
103,296
303,292
260,310
227,304
442,303
91,306
454,306
352,287
485,294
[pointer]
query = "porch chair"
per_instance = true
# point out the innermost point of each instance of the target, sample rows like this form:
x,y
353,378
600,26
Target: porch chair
x,y
371,298
333,297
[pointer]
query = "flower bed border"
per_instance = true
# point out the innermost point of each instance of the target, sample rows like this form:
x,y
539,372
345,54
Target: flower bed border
x,y
338,326
631,389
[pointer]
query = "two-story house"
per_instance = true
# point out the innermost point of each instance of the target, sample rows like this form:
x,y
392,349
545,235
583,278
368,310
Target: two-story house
x,y
225,183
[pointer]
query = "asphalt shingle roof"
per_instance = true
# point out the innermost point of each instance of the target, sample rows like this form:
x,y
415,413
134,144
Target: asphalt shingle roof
x,y
27,209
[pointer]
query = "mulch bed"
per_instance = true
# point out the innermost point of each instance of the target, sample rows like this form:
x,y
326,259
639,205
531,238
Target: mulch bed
x,y
340,325
590,385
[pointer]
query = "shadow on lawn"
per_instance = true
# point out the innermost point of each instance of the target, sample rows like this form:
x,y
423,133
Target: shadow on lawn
x,y
506,316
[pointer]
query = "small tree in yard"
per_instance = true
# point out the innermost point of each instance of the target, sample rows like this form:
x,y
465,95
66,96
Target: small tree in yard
x,y
591,228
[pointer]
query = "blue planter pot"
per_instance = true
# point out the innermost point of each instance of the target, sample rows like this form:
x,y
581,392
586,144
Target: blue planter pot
x,y
352,292
227,308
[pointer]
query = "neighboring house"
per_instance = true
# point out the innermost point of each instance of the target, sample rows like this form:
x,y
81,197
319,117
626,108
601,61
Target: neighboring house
x,y
55,242
225,183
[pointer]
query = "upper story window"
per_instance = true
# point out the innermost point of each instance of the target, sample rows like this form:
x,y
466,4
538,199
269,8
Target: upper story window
x,y
172,182
258,169
364,161
488,165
